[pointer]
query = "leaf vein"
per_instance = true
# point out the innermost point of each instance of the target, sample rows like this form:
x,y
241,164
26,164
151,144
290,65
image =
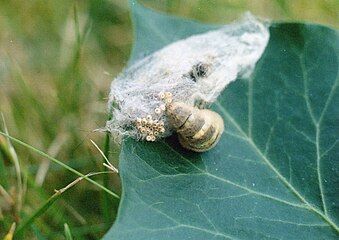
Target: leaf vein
x,y
272,167
285,222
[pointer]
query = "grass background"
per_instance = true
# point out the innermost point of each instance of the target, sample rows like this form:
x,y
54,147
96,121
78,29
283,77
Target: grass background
x,y
57,59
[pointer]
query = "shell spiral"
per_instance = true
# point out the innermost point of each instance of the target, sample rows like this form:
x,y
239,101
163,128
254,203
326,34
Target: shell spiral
x,y
198,130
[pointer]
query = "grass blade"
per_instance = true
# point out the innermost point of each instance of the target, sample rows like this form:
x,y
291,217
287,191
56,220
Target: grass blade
x,y
10,234
15,160
59,163
106,203
76,23
7,197
4,156
68,233
26,223
105,155
106,200
53,151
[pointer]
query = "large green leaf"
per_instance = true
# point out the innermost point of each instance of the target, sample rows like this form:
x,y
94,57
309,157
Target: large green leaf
x,y
274,174
155,30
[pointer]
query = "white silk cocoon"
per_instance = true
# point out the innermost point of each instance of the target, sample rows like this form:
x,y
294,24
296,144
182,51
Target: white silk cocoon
x,y
228,52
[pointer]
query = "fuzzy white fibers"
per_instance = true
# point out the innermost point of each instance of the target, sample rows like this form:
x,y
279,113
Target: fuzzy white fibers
x,y
195,70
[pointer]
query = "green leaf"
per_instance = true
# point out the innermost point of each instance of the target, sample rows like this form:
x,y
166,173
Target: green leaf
x,y
274,173
67,231
154,30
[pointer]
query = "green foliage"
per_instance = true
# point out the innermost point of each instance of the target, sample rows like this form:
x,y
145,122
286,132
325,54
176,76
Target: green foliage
x,y
273,173
52,88
57,59
68,233
154,30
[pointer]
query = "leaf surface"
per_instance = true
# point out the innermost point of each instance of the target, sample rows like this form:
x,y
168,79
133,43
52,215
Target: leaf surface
x,y
274,173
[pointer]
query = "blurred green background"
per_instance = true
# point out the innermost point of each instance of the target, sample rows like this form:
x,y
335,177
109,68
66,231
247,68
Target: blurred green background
x,y
57,59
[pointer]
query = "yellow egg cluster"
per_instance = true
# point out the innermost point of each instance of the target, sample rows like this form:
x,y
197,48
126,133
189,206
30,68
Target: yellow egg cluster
x,y
150,128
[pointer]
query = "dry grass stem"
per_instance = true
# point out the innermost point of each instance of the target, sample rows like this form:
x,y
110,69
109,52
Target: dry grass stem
x,y
107,164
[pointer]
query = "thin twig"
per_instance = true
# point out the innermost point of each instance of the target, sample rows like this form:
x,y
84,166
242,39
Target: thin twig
x,y
26,223
107,164
59,163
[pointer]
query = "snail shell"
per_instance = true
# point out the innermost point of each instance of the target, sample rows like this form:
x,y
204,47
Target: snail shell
x,y
198,130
